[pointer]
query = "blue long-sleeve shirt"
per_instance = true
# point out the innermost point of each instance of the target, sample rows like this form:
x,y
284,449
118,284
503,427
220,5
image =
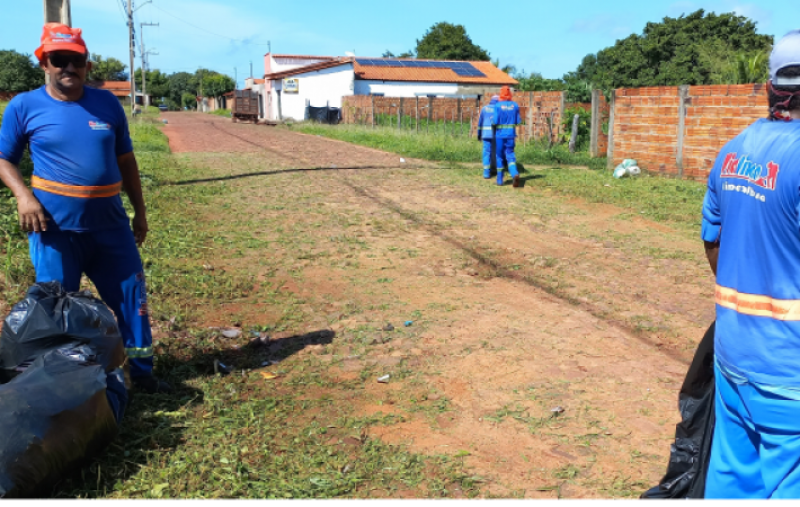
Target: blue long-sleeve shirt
x,y
505,119
754,197
485,127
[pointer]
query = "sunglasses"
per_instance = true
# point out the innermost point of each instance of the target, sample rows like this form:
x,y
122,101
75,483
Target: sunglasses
x,y
62,61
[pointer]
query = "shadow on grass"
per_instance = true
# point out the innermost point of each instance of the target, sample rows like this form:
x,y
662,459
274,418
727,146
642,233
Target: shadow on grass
x,y
152,425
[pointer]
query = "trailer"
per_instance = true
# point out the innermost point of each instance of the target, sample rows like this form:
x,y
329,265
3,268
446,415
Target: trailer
x,y
245,106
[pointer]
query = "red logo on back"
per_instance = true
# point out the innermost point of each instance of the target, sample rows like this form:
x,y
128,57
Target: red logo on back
x,y
743,168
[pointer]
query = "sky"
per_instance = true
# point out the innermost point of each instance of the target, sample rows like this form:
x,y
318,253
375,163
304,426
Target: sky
x,y
549,37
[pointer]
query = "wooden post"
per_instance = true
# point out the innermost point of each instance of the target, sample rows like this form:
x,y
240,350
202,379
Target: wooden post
x,y
428,122
594,132
417,111
573,138
611,106
372,100
400,115
529,135
683,96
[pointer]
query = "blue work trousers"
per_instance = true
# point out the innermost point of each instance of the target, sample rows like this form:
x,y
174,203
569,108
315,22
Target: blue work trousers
x,y
755,452
111,260
506,155
488,157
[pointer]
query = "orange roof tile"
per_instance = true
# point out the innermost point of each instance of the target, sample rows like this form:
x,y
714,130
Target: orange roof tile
x,y
493,75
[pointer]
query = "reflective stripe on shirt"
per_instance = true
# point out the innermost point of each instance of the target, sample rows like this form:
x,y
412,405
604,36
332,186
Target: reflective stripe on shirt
x,y
756,305
54,187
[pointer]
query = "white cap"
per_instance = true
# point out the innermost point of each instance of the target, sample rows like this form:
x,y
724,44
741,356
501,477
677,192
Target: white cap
x,y
786,53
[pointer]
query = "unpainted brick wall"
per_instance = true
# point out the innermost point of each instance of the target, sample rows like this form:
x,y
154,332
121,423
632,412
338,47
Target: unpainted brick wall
x,y
646,124
359,109
535,109
714,116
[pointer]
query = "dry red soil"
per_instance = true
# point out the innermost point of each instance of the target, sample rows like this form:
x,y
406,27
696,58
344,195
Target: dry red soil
x,y
521,312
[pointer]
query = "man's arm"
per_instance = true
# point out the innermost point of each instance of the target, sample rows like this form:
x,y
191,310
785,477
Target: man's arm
x,y
132,184
31,213
712,254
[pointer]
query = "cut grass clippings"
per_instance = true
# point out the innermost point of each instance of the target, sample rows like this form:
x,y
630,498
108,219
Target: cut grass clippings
x,y
242,435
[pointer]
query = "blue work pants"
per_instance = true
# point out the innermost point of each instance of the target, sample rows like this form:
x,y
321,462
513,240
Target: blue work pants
x,y
111,260
489,155
506,155
755,450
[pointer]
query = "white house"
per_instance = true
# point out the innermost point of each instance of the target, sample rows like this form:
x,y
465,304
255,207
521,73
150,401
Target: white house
x,y
293,82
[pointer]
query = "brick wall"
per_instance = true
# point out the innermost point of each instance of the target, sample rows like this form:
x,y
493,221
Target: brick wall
x,y
647,125
714,116
535,108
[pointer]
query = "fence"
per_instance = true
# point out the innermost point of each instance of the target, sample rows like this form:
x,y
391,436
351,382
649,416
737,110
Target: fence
x,y
541,114
672,130
678,131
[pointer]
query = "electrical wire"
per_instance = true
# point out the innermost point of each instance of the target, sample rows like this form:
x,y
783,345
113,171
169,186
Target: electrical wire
x,y
208,31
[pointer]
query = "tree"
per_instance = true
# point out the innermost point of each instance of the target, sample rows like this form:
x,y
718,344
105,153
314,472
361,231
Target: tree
x,y
107,70
18,73
445,41
673,52
389,54
157,82
217,85
189,100
507,68
181,83
534,82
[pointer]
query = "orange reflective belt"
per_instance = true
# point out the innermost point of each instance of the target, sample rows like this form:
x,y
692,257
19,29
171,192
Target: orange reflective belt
x,y
759,306
74,190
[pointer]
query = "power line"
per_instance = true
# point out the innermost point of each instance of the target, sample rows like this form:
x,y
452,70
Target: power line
x,y
208,31
121,9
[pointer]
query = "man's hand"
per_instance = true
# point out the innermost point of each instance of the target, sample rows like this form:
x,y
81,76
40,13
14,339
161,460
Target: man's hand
x,y
139,228
31,214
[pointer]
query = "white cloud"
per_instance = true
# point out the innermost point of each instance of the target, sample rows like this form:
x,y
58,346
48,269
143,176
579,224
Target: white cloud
x,y
604,24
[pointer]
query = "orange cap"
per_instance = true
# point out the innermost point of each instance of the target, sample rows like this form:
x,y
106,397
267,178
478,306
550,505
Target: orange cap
x,y
60,37
505,94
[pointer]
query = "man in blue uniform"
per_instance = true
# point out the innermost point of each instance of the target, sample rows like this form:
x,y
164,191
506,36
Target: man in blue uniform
x,y
82,158
505,120
486,134
751,229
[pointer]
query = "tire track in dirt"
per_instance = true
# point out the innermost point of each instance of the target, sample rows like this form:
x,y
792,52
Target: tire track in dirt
x,y
499,270
500,366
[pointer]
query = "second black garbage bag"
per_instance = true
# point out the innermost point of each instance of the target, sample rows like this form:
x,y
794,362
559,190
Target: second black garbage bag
x,y
691,451
62,391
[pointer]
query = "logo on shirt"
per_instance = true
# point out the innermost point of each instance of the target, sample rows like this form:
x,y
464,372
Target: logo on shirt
x,y
98,125
745,169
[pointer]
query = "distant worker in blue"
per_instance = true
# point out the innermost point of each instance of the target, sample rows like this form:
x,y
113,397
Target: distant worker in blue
x,y
82,159
505,120
750,228
486,134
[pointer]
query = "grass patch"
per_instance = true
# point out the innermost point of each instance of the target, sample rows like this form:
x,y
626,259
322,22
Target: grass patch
x,y
649,196
221,112
442,147
234,436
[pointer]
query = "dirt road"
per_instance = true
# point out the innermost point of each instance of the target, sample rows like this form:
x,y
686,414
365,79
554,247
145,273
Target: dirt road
x,y
545,339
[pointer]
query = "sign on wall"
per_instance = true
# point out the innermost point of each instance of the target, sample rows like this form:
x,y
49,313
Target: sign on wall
x,y
291,85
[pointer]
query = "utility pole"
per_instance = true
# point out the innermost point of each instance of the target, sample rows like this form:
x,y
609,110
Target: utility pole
x,y
132,47
145,100
57,11
251,68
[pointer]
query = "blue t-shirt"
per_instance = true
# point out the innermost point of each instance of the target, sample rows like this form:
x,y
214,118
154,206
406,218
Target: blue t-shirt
x,y
506,117
73,143
754,196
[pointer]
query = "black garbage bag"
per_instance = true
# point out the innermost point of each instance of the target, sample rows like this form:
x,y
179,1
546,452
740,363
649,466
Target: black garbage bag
x,y
49,318
53,417
691,452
